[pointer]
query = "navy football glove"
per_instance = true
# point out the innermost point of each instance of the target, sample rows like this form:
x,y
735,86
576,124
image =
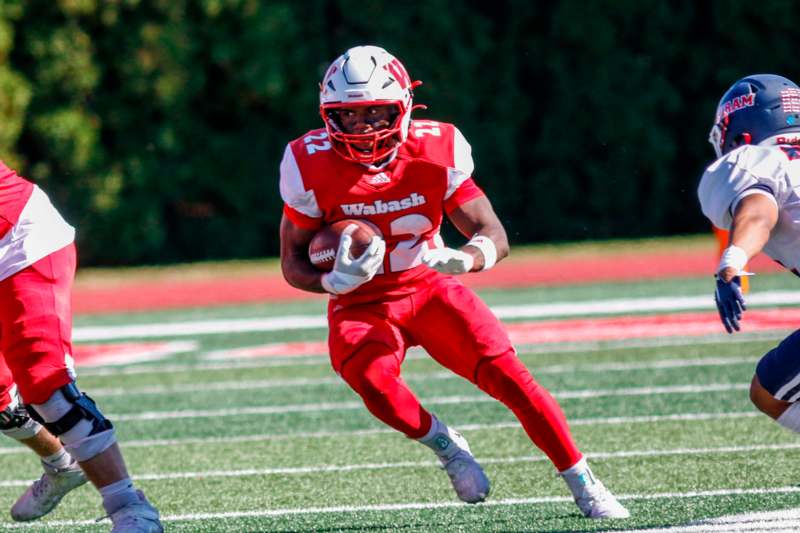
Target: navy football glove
x,y
730,302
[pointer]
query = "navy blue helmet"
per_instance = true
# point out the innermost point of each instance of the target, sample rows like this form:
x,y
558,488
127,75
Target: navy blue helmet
x,y
753,109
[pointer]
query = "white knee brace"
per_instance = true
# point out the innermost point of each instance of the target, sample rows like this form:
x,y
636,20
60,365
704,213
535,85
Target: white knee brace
x,y
75,420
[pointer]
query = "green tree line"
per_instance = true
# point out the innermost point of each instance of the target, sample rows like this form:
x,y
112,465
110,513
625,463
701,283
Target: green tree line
x,y
157,126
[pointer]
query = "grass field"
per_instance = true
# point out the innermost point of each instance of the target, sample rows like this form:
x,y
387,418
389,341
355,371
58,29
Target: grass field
x,y
280,444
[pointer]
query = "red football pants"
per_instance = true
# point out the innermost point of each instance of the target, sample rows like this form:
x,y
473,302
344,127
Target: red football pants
x,y
36,328
368,343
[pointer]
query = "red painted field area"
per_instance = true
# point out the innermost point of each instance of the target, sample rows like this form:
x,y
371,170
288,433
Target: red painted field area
x,y
172,294
140,296
572,330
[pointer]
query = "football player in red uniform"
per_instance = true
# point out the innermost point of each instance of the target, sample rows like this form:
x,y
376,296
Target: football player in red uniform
x,y
373,162
37,266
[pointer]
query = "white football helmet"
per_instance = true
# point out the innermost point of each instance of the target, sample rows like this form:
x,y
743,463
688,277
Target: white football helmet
x,y
367,76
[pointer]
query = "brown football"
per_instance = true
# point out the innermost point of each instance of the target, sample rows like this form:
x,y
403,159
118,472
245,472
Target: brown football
x,y
323,246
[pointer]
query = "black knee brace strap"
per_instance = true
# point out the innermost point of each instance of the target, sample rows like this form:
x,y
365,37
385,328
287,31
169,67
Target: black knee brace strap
x,y
13,417
83,408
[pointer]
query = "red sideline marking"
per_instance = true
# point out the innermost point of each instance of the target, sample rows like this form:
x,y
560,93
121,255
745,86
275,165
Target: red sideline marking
x,y
575,330
109,354
169,294
150,296
637,327
282,349
593,269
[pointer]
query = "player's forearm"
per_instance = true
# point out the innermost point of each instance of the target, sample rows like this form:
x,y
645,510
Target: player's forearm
x,y
299,273
295,264
753,220
751,234
477,219
748,238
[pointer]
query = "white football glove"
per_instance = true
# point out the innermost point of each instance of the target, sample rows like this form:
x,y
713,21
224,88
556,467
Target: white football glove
x,y
349,274
448,260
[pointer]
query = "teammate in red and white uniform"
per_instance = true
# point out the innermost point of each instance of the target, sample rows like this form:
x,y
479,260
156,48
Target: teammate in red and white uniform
x,y
373,162
753,190
37,266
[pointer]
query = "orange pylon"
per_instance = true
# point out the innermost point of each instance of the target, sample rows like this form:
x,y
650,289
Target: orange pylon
x,y
723,238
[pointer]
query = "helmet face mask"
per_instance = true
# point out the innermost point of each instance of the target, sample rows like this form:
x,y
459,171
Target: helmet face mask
x,y
379,141
366,76
753,110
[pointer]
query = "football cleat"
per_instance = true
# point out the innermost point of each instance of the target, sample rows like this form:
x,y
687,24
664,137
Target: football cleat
x,y
466,475
138,517
593,498
46,492
596,501
468,478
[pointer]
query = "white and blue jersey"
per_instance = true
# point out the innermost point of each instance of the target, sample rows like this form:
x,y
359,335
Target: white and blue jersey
x,y
772,171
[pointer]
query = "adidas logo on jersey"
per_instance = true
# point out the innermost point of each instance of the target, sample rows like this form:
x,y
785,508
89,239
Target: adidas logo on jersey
x,y
379,207
379,179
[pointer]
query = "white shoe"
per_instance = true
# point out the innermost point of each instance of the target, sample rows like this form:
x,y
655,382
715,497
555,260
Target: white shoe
x,y
592,497
45,493
468,478
466,475
139,517
597,502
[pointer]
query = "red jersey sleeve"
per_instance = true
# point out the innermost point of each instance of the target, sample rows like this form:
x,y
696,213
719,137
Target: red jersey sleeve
x,y
301,220
14,194
467,191
299,200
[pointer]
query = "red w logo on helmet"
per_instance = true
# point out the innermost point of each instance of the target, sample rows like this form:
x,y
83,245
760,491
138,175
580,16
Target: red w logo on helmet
x,y
398,71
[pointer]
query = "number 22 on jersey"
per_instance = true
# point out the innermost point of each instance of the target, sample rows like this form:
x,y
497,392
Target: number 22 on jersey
x,y
407,253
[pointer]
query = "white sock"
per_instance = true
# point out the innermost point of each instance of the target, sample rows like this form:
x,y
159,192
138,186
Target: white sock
x,y
59,460
435,428
118,494
790,418
439,440
578,476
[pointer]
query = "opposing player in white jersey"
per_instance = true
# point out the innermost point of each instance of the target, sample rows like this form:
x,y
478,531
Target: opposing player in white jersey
x,y
753,189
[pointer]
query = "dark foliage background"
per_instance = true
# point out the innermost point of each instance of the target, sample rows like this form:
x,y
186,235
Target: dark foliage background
x,y
157,126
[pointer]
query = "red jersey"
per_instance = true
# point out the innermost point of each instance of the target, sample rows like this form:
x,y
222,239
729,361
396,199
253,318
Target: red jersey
x,y
14,194
30,227
404,199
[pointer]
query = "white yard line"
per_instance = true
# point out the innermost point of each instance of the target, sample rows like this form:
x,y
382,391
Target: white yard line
x,y
615,420
322,469
174,368
346,509
305,322
786,520
236,385
435,400
637,305
661,364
